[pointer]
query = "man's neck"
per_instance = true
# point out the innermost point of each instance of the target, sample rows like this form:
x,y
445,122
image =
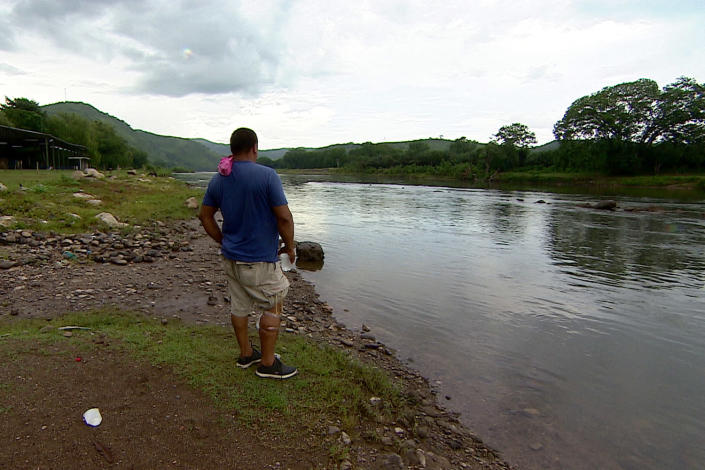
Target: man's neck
x,y
250,156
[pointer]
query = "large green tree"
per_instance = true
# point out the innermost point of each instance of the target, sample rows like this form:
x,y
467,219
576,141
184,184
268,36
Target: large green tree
x,y
638,112
515,135
24,113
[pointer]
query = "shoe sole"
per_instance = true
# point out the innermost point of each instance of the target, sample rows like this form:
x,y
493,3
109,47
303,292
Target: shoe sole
x,y
264,375
245,366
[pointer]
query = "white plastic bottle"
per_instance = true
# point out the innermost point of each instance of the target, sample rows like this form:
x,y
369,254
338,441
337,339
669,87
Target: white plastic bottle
x,y
287,265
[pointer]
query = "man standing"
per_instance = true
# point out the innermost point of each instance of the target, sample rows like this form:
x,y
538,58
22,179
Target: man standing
x,y
255,213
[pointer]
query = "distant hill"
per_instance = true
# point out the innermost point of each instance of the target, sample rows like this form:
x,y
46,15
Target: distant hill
x,y
202,154
162,150
553,145
224,149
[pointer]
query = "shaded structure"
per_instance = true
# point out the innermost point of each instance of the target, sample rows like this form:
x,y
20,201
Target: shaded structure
x,y
20,148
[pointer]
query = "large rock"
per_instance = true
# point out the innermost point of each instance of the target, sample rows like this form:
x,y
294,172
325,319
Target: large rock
x,y
77,175
93,173
6,220
605,205
81,195
109,219
192,203
601,205
309,252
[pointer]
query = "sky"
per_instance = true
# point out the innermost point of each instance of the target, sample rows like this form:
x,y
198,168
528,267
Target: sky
x,y
311,73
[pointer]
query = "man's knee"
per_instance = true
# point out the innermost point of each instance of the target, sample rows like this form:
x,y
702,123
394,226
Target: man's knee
x,y
269,321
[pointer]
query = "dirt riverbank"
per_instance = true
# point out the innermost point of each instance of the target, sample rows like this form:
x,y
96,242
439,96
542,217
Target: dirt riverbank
x,y
183,279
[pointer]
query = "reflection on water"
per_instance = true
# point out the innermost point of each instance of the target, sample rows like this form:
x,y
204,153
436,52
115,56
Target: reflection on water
x,y
566,337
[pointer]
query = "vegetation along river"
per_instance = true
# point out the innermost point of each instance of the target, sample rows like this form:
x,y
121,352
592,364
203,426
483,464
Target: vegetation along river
x,y
567,337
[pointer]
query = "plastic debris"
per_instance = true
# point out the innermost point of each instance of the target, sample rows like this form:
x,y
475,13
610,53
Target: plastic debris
x,y
92,417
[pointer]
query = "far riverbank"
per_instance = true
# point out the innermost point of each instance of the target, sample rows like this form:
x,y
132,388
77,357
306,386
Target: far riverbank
x,y
672,186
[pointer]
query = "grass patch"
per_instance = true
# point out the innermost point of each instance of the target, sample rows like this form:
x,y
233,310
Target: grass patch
x,y
43,200
331,386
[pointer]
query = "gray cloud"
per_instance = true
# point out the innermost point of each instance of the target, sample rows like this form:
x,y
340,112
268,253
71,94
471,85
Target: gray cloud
x,y
176,48
10,70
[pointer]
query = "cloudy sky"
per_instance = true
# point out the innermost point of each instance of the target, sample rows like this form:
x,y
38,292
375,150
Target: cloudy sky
x,y
317,72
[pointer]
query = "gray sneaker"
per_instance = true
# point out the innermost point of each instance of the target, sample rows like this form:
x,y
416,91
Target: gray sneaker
x,y
276,371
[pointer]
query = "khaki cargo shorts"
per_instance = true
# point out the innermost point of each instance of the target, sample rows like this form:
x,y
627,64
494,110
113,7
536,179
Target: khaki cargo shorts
x,y
254,286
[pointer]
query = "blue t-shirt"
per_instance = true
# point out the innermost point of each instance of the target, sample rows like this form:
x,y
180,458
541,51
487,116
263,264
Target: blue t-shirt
x,y
246,197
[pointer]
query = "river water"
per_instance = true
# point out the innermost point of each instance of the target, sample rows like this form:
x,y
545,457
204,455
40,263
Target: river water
x,y
568,338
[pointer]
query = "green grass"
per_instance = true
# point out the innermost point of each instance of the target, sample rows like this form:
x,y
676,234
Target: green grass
x,y
47,201
331,386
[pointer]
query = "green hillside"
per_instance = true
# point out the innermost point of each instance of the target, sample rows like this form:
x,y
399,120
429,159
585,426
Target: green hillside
x,y
198,154
224,149
162,150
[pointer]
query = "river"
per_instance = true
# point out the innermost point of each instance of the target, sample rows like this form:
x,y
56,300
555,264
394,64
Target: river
x,y
567,338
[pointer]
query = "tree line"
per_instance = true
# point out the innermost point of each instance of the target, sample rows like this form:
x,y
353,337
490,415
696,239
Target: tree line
x,y
629,128
105,147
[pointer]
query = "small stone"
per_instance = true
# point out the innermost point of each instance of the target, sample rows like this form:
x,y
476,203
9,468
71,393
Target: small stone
x,y
375,401
118,261
455,444
7,264
367,336
67,334
345,439
365,328
332,430
164,321
398,431
421,457
422,432
536,446
390,462
6,221
109,219
345,465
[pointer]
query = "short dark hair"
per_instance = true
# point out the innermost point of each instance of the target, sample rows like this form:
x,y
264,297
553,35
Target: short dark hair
x,y
242,140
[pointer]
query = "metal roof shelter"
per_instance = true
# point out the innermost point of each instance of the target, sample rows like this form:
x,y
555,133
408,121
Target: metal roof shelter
x,y
21,148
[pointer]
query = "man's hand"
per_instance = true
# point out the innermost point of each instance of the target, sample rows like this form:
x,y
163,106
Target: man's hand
x,y
289,250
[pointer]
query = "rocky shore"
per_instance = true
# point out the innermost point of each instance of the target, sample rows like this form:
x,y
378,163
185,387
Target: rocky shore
x,y
173,271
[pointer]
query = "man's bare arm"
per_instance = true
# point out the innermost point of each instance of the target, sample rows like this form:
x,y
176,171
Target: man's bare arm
x,y
207,216
285,225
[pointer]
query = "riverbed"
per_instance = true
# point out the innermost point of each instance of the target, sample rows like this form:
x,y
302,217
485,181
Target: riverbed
x,y
567,337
